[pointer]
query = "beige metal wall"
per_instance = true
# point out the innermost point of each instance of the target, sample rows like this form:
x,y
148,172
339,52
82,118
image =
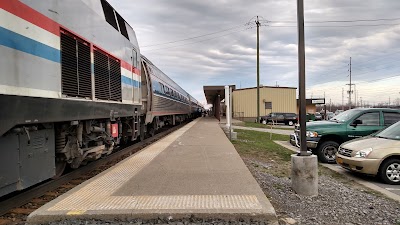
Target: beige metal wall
x,y
283,100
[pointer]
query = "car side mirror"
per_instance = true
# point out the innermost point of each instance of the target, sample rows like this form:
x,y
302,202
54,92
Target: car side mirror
x,y
356,122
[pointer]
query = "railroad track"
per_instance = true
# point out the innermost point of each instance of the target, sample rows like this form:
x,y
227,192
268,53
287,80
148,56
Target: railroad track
x,y
10,209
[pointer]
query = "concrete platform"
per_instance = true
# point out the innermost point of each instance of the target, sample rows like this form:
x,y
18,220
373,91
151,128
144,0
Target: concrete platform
x,y
194,172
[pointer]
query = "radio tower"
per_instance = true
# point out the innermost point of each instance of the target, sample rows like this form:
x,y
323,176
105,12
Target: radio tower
x,y
350,91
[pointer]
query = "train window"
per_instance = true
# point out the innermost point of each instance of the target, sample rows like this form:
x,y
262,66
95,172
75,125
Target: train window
x,y
134,58
122,27
109,14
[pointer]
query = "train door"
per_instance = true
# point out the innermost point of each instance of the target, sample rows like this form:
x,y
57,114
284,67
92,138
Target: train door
x,y
146,88
135,80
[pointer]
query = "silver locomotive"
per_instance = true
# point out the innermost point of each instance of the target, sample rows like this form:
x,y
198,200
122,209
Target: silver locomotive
x,y
73,86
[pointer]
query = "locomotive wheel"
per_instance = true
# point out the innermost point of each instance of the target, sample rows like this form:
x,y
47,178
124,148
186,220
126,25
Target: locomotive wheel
x,y
60,167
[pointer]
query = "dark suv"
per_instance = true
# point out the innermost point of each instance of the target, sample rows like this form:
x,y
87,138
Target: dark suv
x,y
286,118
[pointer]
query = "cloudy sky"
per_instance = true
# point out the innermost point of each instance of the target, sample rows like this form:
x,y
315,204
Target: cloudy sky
x,y
204,42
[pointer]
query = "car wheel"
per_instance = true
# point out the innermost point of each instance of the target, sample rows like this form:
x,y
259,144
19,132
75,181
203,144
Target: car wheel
x,y
290,123
327,151
390,171
264,122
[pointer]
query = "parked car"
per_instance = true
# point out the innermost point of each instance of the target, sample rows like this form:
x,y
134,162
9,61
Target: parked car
x,y
286,118
378,154
324,137
318,116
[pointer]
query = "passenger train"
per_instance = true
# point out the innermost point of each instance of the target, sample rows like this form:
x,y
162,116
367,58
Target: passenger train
x,y
73,86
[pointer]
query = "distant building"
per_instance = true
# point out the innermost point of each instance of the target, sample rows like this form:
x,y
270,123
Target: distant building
x,y
311,104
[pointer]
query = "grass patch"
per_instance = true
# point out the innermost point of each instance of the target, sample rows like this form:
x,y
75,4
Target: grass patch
x,y
257,145
265,126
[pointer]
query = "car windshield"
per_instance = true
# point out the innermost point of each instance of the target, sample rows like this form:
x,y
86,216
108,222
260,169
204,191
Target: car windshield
x,y
392,132
344,116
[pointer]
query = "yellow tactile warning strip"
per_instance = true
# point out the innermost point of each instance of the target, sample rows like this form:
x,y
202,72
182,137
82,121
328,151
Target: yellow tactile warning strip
x,y
97,194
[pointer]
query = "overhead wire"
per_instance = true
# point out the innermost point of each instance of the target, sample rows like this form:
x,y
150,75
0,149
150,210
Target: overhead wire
x,y
356,25
195,37
336,21
201,40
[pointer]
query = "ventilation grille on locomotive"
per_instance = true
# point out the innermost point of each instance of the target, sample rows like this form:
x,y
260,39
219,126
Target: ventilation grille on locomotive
x,y
107,77
75,67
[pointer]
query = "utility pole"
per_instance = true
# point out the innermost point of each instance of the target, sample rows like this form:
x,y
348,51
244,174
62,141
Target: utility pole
x,y
324,107
342,99
350,86
330,105
258,70
302,78
361,103
357,96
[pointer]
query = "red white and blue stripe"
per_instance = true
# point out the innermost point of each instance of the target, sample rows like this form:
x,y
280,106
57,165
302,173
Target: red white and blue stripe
x,y
25,29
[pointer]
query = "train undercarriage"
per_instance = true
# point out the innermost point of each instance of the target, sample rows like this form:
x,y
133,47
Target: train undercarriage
x,y
41,151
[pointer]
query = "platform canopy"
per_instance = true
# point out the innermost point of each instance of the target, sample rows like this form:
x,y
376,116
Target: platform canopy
x,y
211,92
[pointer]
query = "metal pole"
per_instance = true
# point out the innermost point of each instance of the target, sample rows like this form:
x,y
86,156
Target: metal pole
x,y
227,106
230,109
302,78
355,96
350,86
258,71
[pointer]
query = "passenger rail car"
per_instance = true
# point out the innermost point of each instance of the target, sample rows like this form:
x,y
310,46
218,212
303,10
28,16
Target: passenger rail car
x,y
164,101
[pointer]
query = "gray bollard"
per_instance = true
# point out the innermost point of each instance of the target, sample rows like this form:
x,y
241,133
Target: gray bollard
x,y
305,175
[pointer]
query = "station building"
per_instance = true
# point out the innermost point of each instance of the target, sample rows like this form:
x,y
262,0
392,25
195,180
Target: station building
x,y
244,101
311,104
272,99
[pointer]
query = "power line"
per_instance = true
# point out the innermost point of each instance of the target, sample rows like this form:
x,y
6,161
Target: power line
x,y
356,25
337,74
201,40
335,21
362,82
195,37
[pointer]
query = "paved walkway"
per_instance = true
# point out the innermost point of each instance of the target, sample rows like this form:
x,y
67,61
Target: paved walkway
x,y
194,172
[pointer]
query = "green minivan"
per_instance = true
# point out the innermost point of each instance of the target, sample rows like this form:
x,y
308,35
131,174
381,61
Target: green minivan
x,y
324,137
